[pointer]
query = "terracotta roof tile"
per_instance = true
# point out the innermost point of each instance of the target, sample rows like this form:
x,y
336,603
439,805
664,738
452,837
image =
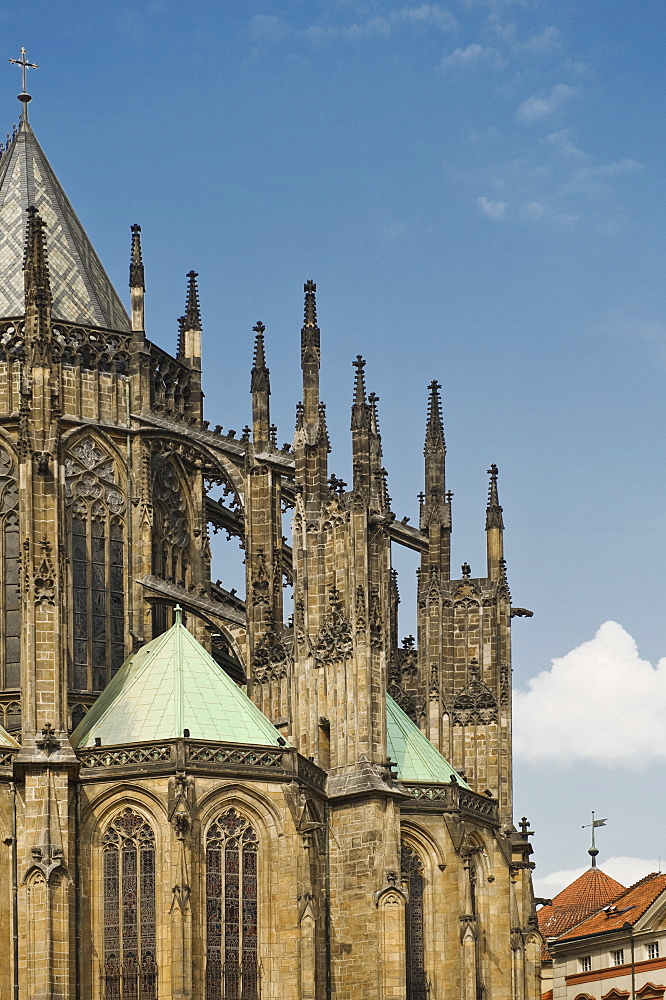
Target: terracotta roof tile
x,y
627,908
587,894
547,996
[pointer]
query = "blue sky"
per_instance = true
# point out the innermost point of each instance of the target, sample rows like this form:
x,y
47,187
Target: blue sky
x,y
477,188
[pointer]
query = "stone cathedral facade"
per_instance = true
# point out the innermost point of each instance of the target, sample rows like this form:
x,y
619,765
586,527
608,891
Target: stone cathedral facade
x,y
202,795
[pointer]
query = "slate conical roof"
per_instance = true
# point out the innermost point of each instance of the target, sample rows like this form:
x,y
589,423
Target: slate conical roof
x,y
416,757
82,291
169,685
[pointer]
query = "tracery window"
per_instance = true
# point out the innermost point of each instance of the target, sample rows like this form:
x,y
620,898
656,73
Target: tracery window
x,y
171,536
10,597
412,877
130,968
232,967
97,540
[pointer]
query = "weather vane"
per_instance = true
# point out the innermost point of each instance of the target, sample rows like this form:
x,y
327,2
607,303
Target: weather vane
x,y
593,851
24,96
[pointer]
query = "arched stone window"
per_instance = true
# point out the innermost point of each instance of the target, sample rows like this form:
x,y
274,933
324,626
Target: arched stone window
x,y
130,968
412,878
97,544
10,597
171,535
232,966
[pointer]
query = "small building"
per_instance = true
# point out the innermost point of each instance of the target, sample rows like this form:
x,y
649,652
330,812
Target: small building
x,y
617,952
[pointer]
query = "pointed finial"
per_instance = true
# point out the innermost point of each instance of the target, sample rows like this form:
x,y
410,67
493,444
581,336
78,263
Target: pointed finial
x,y
24,97
136,279
359,381
192,312
373,399
593,850
435,426
493,510
310,303
178,612
260,373
35,263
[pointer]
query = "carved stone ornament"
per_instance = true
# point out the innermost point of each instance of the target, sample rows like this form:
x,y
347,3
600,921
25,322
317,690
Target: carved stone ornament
x,y
334,641
44,579
475,705
260,581
271,658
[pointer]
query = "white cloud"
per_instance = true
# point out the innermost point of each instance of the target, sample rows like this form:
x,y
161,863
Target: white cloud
x,y
625,166
426,14
494,209
267,28
624,870
473,55
563,142
545,103
600,702
533,210
546,41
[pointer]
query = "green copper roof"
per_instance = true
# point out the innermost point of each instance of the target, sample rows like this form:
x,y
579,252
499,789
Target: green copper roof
x,y
169,685
413,752
6,740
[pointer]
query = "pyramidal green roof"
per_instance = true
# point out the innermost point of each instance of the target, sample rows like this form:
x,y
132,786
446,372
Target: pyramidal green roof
x,y
416,757
169,685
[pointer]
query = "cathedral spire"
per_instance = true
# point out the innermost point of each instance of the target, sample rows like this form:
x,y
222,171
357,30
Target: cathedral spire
x,y
494,527
192,311
260,387
137,280
435,515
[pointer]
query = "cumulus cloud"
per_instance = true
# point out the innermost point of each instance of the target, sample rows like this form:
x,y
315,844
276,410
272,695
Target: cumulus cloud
x,y
493,209
600,702
537,211
545,103
624,870
473,55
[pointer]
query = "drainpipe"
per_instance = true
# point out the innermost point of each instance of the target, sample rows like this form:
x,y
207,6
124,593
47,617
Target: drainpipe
x,y
77,893
633,963
15,933
327,902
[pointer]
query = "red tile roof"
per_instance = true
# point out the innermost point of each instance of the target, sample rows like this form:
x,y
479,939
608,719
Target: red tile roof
x,y
547,996
626,908
592,890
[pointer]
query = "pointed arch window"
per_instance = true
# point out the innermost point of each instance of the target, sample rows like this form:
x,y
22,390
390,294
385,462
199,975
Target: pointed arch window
x,y
412,878
96,510
10,597
130,967
171,536
232,967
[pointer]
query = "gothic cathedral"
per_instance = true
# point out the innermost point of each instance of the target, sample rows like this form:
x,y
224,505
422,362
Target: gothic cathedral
x,y
201,795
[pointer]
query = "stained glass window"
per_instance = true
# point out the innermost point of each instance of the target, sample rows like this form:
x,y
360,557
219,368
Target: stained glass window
x,y
412,876
96,509
232,965
10,597
130,968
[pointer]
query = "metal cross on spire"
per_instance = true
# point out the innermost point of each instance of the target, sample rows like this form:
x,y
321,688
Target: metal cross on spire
x,y
593,850
24,97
